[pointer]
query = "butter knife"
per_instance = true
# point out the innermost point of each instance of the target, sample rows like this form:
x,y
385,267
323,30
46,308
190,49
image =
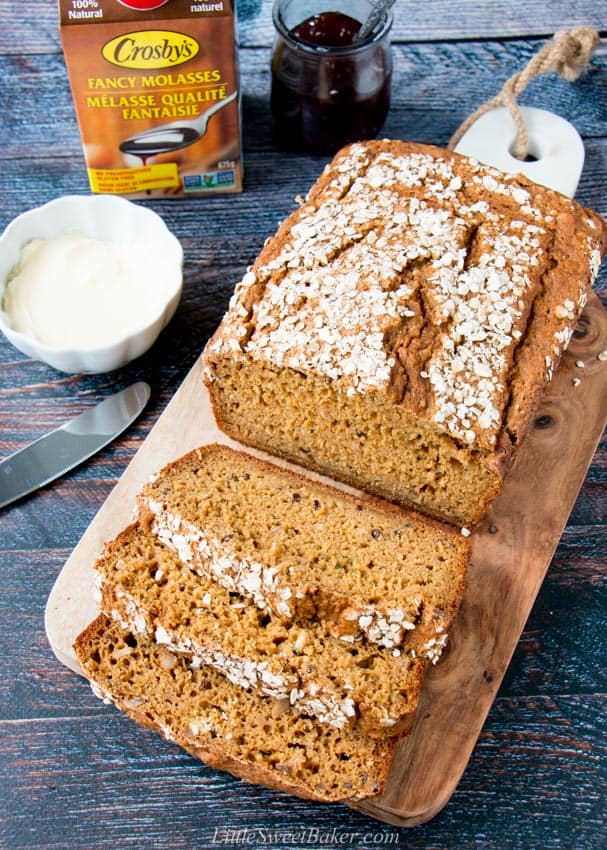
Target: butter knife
x,y
60,450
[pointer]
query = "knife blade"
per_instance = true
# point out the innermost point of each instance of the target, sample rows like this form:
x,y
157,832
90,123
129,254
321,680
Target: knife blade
x,y
71,444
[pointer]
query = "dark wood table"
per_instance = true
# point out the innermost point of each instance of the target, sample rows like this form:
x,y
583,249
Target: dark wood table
x,y
76,774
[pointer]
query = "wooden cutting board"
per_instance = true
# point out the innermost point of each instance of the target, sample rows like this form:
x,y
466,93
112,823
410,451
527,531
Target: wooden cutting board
x,y
512,549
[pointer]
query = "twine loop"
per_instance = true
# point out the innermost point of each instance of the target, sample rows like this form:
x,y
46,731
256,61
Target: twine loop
x,y
566,54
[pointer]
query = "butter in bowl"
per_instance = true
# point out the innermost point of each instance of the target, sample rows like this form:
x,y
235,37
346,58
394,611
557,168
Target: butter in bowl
x,y
88,282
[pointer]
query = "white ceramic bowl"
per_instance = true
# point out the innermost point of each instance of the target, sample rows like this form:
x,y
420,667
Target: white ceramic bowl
x,y
104,217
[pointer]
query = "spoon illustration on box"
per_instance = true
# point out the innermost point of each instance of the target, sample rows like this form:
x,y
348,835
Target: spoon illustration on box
x,y
171,137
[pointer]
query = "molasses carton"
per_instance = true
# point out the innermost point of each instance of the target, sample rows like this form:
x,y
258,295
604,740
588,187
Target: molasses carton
x,y
155,86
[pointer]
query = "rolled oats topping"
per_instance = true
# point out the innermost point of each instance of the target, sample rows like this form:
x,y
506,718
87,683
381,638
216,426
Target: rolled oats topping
x,y
329,707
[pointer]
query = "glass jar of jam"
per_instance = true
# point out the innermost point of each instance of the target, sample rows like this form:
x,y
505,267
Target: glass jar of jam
x,y
328,87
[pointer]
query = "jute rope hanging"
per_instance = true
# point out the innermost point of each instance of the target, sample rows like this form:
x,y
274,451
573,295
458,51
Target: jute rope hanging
x,y
567,54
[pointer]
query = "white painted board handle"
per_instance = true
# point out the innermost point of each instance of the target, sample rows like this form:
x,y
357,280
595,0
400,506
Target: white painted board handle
x,y
554,142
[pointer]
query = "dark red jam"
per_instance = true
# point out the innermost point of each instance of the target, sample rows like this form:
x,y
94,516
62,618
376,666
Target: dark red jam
x,y
329,29
326,97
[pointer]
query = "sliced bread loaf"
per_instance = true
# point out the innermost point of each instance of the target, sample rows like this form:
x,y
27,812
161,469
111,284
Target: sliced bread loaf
x,y
146,588
308,551
224,725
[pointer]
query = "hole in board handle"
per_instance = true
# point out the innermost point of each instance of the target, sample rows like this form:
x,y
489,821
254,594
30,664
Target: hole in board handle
x,y
534,153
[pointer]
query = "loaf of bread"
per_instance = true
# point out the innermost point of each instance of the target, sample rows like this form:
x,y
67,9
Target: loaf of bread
x,y
271,625
257,739
146,588
399,329
305,551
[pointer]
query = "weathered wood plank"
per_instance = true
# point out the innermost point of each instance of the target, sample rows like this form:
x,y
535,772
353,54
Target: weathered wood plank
x,y
428,20
421,110
216,240
56,514
561,649
32,684
460,25
99,768
441,20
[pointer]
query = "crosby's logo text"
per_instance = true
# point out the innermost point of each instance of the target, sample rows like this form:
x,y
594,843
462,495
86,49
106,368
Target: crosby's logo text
x,y
150,49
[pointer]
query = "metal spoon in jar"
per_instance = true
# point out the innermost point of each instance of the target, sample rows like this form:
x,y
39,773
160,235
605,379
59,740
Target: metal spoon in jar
x,y
378,13
171,137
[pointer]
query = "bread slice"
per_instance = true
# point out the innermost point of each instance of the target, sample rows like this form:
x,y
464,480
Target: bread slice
x,y
310,552
146,588
399,330
224,725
